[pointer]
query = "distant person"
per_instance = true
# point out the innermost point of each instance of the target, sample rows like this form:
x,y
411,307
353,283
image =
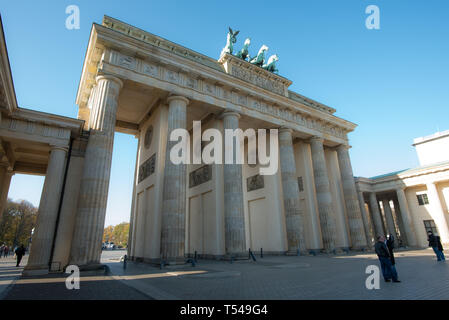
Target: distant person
x,y
6,251
435,243
1,250
20,251
389,273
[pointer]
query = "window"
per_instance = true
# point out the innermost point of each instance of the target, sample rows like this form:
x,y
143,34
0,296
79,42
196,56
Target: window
x,y
429,225
422,199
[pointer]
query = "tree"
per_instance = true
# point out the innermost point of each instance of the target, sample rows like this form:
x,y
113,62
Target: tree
x,y
107,234
117,234
18,219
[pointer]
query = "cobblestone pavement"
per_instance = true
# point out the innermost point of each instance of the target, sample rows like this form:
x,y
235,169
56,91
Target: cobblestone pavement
x,y
290,277
271,277
93,286
9,272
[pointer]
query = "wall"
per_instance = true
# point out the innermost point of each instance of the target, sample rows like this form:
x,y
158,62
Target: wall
x,y
146,215
264,210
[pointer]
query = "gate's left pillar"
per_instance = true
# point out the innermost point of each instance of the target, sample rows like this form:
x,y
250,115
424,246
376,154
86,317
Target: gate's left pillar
x,y
174,192
42,240
86,243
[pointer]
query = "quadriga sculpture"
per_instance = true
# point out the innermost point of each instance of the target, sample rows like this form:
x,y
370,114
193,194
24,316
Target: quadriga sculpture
x,y
271,64
260,58
243,53
231,39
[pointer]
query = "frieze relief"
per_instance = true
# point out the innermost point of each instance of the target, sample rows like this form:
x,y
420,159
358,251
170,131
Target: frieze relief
x,y
237,97
254,183
200,176
147,168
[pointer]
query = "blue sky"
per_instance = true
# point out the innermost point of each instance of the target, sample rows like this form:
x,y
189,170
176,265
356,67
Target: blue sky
x,y
392,82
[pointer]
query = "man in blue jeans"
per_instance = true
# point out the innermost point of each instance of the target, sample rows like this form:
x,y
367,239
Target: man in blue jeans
x,y
435,243
383,254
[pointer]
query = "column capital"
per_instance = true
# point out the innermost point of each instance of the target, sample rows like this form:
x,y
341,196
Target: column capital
x,y
316,139
56,147
343,147
228,113
285,129
110,78
178,97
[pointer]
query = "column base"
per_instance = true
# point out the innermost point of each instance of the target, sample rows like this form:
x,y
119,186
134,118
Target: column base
x,y
37,270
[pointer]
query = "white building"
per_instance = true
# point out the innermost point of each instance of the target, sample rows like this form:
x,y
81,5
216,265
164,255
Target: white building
x,y
410,202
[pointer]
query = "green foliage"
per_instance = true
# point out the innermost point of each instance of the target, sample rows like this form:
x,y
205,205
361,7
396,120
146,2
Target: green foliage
x,y
117,234
17,221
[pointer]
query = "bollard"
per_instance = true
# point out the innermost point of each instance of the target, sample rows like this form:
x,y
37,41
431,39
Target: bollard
x,y
195,256
261,252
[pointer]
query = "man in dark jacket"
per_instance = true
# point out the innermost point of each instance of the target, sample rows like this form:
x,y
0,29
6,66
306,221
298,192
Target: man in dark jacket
x,y
20,251
385,260
435,243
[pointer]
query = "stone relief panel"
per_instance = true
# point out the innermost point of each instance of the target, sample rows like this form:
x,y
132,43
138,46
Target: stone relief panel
x,y
127,61
147,168
192,83
200,176
150,69
171,76
300,184
254,183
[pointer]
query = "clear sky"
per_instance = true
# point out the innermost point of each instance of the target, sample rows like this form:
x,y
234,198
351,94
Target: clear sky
x,y
392,82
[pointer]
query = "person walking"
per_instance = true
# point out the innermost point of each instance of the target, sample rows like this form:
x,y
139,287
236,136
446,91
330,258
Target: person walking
x,y
435,243
1,250
6,251
20,251
383,254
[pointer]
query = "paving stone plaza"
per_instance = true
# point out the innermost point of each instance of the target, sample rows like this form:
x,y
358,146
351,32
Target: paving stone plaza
x,y
320,277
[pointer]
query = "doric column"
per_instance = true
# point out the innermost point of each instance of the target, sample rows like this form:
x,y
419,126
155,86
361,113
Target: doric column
x,y
5,181
174,192
235,243
294,218
406,219
87,238
354,215
397,213
323,194
438,212
48,212
374,206
389,217
366,220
